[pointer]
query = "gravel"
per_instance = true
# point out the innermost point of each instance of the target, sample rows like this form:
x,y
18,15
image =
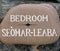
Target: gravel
x,y
4,7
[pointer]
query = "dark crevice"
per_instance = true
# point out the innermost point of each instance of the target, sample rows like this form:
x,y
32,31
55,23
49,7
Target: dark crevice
x,y
48,0
59,50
